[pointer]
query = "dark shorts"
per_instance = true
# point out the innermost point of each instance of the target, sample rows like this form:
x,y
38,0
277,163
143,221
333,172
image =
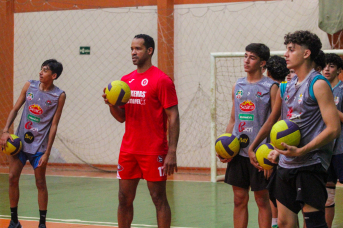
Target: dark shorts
x,y
241,173
295,187
33,158
335,170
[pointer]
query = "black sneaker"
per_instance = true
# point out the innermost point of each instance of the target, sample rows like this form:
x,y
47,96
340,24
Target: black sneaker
x,y
14,225
41,226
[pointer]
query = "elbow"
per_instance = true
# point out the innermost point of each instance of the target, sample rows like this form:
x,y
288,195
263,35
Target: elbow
x,y
336,131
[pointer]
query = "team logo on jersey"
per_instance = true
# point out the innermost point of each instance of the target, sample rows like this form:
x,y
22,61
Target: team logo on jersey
x,y
144,82
33,118
290,112
241,127
244,140
28,137
131,80
36,109
28,126
48,103
247,106
239,94
300,99
336,100
246,117
120,168
159,158
287,98
258,94
29,96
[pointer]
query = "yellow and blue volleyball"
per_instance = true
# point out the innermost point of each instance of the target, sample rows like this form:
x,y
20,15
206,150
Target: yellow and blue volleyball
x,y
227,145
118,93
262,156
12,148
285,131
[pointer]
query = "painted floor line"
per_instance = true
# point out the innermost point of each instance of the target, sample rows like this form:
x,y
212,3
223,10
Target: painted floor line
x,y
78,221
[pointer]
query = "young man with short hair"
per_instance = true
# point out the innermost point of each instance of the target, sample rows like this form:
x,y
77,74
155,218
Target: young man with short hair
x,y
252,96
319,62
307,100
331,71
37,130
277,68
145,152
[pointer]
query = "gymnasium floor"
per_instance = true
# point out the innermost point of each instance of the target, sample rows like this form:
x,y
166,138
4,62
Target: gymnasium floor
x,y
89,199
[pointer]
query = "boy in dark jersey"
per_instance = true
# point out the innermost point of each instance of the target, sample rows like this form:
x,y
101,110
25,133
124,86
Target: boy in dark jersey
x,y
331,71
253,97
307,100
145,153
37,130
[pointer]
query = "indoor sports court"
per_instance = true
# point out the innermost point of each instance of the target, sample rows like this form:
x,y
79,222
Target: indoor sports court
x,y
199,44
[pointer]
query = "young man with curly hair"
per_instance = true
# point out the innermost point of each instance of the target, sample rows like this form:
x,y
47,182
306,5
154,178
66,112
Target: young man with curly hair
x,y
319,62
300,177
277,68
331,71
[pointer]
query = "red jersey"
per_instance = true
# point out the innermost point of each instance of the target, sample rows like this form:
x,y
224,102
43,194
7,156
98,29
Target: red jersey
x,y
146,121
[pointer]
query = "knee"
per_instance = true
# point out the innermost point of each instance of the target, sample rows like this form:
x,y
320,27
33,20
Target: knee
x,y
330,202
262,201
241,200
41,184
13,180
125,200
158,198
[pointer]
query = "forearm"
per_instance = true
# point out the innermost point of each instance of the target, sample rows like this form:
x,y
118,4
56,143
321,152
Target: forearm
x,y
174,131
229,128
10,119
118,113
327,135
262,134
52,135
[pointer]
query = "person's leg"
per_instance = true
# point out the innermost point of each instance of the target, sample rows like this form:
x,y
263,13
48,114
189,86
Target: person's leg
x,y
159,197
274,214
313,217
42,192
15,168
330,203
127,193
240,211
287,218
264,210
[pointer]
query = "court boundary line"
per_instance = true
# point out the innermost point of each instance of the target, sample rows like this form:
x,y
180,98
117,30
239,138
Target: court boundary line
x,y
82,222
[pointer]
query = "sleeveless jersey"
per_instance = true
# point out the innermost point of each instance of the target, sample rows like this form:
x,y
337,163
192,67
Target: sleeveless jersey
x,y
338,96
300,105
39,110
252,108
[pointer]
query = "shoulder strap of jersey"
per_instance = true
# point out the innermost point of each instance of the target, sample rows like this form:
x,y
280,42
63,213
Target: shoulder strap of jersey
x,y
283,86
316,78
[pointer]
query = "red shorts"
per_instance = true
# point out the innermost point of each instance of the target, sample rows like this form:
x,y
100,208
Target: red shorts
x,y
148,167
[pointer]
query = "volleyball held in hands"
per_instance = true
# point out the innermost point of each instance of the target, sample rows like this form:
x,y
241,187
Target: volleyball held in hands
x,y
262,156
285,131
227,145
12,148
118,93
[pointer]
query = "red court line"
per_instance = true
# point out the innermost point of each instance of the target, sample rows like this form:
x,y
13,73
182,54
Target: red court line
x,y
34,224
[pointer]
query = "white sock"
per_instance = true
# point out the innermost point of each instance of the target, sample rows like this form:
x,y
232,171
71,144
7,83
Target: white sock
x,y
274,221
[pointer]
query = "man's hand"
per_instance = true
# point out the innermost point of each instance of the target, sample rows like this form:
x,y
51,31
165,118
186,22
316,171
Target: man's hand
x,y
253,160
43,161
170,164
224,160
104,95
291,151
273,156
3,140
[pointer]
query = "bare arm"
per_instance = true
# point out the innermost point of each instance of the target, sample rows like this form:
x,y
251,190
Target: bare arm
x,y
13,114
231,124
53,129
340,114
117,112
267,126
328,109
170,162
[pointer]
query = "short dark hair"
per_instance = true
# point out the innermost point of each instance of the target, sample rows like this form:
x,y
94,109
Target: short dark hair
x,y
334,59
320,59
261,50
307,39
277,67
148,41
54,66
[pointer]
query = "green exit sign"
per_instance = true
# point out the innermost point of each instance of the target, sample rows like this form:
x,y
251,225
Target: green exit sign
x,y
86,50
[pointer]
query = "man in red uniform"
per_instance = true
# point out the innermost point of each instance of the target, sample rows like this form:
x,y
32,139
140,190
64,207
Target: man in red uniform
x,y
145,153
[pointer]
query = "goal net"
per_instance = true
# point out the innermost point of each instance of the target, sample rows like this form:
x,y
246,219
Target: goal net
x,y
94,47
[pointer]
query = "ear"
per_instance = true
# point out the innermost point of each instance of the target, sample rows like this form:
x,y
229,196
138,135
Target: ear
x,y
307,53
150,50
54,76
339,70
263,63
